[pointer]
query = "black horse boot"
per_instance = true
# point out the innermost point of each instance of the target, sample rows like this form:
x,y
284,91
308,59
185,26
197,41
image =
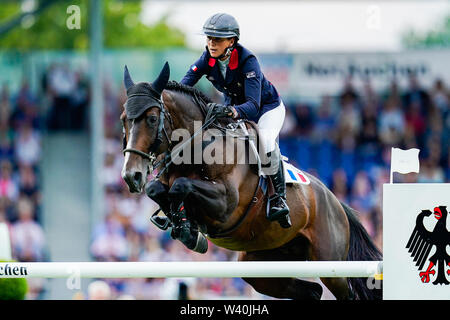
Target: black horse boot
x,y
187,232
157,191
279,209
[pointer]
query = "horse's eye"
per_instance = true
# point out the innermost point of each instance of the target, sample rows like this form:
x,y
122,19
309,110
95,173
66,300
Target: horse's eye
x,y
152,119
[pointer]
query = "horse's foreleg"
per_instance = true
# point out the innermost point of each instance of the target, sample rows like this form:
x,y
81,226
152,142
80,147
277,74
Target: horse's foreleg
x,y
158,192
205,196
190,199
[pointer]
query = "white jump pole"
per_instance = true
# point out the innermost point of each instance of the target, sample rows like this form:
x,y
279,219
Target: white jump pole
x,y
229,269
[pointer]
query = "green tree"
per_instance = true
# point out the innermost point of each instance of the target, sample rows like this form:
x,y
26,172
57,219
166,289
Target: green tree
x,y
122,28
438,37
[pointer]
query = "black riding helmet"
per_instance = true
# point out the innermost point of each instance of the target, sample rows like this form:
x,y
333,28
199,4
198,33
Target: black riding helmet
x,y
221,25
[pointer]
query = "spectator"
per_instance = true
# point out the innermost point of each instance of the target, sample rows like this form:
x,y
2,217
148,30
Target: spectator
x,y
99,290
325,121
391,123
28,240
28,182
8,187
5,107
416,96
440,95
110,243
25,110
6,145
27,145
61,84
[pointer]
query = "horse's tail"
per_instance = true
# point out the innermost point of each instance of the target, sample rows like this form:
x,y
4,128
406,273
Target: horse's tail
x,y
361,248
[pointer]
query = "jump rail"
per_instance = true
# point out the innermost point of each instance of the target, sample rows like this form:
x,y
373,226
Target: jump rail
x,y
228,269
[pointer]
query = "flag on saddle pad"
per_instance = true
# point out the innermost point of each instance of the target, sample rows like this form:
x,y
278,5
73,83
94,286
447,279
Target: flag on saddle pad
x,y
404,161
294,175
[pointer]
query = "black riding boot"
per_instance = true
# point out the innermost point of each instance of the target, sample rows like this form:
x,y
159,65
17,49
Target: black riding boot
x,y
279,209
187,232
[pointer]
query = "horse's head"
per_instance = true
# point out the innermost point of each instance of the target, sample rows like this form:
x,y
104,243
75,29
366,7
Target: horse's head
x,y
143,123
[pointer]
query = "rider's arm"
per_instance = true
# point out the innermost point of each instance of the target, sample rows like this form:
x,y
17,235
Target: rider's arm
x,y
252,89
195,72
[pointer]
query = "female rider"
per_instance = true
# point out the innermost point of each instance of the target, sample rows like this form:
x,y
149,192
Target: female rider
x,y
235,71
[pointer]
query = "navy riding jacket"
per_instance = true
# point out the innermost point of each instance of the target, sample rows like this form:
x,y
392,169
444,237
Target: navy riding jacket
x,y
244,86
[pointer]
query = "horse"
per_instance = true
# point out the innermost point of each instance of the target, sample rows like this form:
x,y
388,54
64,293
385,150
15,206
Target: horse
x,y
217,196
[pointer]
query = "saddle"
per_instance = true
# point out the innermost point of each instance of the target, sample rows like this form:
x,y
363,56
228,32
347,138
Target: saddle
x,y
240,130
292,174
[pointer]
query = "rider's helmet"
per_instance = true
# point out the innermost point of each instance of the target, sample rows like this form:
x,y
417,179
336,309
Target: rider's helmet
x,y
221,25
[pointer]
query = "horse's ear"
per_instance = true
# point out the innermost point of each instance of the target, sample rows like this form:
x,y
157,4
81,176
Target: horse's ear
x,y
127,79
160,83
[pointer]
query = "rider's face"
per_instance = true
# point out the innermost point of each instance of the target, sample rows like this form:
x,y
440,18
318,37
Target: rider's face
x,y
217,46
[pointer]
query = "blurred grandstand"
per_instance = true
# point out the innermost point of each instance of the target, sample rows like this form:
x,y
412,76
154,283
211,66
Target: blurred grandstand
x,y
339,127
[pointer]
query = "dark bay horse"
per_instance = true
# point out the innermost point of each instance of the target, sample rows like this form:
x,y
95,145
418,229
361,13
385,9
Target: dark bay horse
x,y
216,196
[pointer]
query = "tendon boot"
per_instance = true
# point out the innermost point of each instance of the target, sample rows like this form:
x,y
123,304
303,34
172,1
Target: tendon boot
x,y
157,191
187,232
279,209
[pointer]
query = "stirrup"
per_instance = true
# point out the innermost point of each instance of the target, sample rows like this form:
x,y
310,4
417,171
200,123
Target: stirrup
x,y
272,213
201,246
161,222
281,215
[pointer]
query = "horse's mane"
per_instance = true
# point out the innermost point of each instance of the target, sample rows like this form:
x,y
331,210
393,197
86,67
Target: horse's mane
x,y
176,86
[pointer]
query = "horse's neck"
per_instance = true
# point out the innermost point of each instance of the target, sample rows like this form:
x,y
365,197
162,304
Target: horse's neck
x,y
183,111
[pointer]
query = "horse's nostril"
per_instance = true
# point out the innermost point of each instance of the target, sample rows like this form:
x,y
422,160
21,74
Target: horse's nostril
x,y
137,177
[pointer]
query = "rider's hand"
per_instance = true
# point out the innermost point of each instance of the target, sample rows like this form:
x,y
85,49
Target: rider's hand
x,y
235,113
221,111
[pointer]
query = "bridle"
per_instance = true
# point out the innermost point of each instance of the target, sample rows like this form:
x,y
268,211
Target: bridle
x,y
163,114
167,159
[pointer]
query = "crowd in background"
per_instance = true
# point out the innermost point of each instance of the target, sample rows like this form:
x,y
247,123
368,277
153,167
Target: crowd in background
x,y
21,129
345,141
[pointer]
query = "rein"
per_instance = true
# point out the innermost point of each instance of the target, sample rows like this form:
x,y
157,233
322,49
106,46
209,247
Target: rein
x,y
168,160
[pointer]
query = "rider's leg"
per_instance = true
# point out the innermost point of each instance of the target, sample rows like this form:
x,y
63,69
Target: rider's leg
x,y
278,205
270,125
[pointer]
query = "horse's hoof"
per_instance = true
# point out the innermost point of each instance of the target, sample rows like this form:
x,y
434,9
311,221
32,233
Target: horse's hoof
x,y
202,244
285,222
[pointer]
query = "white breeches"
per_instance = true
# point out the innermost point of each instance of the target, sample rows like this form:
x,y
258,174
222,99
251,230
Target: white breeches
x,y
269,126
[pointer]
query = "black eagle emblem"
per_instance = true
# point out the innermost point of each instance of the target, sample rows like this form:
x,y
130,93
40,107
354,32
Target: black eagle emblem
x,y
422,241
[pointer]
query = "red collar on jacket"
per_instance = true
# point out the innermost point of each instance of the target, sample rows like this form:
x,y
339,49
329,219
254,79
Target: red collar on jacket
x,y
234,60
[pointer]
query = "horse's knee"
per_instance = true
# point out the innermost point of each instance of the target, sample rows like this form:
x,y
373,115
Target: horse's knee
x,y
180,188
156,189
